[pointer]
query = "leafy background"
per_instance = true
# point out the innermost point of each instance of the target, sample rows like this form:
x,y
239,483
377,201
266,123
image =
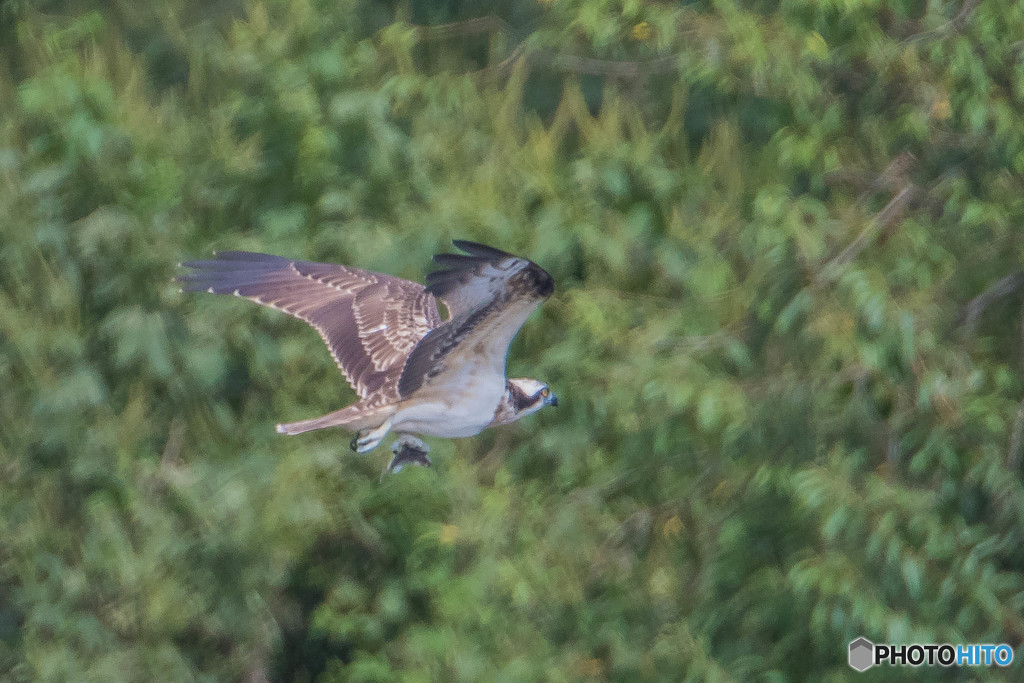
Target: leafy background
x,y
786,340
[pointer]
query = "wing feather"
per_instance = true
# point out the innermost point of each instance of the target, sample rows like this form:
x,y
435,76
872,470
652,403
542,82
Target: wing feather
x,y
369,321
489,294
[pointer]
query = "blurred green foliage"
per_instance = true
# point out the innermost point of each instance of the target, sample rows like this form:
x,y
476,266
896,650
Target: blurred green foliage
x,y
786,338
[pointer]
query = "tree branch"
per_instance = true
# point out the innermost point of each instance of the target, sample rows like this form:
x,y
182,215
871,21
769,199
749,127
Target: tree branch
x,y
975,307
584,66
606,67
880,223
1017,432
1016,439
469,27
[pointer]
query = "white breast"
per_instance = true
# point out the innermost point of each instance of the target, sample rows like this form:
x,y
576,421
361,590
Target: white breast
x,y
462,405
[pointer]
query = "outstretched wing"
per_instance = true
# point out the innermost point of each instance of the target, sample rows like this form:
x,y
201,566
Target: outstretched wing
x,y
489,294
369,321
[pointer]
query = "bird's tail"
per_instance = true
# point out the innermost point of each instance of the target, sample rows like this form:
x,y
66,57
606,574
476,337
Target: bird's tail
x,y
354,418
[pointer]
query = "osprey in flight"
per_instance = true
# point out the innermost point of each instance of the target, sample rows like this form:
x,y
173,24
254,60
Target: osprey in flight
x,y
415,373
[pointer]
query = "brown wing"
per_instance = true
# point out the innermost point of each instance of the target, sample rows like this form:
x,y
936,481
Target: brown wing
x,y
489,294
369,321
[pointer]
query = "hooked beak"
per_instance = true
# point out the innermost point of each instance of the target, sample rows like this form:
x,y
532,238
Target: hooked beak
x,y
551,400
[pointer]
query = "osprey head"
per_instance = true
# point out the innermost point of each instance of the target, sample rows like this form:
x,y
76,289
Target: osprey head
x,y
523,397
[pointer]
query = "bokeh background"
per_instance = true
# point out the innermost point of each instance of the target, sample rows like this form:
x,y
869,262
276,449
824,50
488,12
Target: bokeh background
x,y
787,338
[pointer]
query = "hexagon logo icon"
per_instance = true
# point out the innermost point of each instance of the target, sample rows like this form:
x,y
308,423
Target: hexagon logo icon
x,y
862,654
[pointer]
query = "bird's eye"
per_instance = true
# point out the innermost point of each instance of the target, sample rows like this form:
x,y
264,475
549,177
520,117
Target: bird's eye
x,y
545,392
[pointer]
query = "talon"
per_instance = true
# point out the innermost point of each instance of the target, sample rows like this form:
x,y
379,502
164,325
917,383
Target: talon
x,y
365,443
367,440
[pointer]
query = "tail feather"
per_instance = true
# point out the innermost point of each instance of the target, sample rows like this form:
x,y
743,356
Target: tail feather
x,y
354,418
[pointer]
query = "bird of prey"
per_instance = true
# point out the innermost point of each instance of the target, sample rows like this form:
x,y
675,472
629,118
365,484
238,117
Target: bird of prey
x,y
414,373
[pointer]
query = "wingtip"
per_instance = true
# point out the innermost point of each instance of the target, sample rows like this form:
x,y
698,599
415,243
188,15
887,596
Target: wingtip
x,y
477,249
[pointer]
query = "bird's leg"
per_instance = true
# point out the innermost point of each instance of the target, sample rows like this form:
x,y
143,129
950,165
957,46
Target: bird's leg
x,y
367,441
408,450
